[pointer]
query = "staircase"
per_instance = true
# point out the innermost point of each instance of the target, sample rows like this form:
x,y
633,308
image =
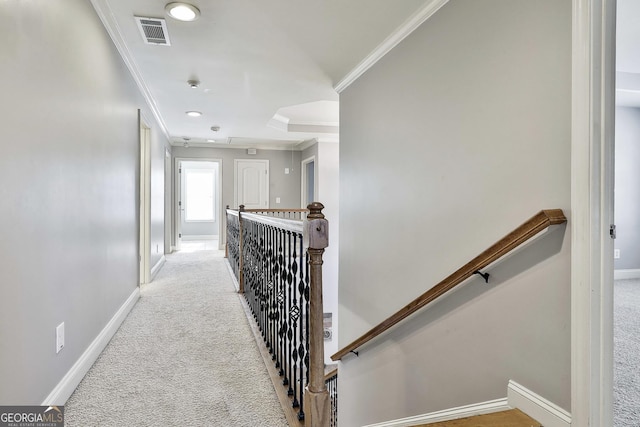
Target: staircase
x,y
512,418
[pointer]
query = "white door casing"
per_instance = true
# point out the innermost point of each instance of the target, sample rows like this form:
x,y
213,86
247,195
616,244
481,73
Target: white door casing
x,y
592,169
251,185
309,181
178,196
145,201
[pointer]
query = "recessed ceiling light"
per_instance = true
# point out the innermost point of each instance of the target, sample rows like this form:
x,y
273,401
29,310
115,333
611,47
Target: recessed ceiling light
x,y
215,128
194,113
182,11
193,84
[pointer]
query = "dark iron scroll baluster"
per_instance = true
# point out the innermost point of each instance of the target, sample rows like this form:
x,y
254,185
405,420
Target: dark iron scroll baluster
x,y
295,317
278,275
303,346
287,274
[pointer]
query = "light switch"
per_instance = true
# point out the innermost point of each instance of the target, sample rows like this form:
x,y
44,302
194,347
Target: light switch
x,y
277,199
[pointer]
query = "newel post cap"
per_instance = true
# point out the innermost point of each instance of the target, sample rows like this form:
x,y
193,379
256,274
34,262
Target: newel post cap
x,y
316,232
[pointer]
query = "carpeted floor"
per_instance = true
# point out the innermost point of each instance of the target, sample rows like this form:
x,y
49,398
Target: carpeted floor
x,y
626,370
185,356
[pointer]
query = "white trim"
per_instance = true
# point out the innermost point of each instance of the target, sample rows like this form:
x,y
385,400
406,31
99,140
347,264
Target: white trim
x,y
593,89
307,143
176,182
233,277
449,414
409,26
303,180
108,20
156,268
626,274
144,246
70,381
546,413
200,237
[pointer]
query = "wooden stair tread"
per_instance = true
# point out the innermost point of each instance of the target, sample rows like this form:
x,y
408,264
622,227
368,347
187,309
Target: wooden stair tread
x,y
511,418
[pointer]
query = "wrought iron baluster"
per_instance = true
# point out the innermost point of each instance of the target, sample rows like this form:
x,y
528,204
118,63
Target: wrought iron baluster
x,y
287,273
295,317
302,345
332,388
283,309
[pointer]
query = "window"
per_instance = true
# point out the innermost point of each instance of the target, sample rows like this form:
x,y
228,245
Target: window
x,y
199,195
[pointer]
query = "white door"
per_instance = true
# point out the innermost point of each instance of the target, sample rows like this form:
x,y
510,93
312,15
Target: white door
x,y
252,184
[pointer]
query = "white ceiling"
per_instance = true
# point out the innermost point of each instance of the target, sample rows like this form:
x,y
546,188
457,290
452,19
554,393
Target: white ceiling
x,y
267,68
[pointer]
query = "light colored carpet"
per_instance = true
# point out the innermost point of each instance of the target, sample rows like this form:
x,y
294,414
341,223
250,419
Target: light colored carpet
x,y
626,370
185,356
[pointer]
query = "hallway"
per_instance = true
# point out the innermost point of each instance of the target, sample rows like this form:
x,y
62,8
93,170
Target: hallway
x,y
184,356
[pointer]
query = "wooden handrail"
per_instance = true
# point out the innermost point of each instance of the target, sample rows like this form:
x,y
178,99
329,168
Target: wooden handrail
x,y
332,373
276,210
539,222
295,225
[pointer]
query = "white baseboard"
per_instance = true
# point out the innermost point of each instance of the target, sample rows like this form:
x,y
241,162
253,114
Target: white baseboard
x,y
190,237
157,267
626,274
449,414
546,413
70,381
233,276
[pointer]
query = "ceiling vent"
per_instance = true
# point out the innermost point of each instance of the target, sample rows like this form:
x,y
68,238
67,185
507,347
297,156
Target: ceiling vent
x,y
153,30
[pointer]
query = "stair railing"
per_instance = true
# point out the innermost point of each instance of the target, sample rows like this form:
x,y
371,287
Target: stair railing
x,y
537,224
331,380
277,262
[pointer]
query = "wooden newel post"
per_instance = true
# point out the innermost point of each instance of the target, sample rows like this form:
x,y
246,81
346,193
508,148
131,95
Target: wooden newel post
x,y
240,245
226,234
316,396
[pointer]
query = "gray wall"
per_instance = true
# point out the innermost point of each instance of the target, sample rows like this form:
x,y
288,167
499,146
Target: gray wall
x,y
327,167
285,186
70,194
627,200
454,138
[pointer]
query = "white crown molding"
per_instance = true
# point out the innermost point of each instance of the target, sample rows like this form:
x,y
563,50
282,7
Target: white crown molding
x,y
390,42
111,25
280,122
306,144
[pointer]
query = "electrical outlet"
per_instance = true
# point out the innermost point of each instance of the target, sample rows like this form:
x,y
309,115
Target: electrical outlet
x,y
59,337
616,253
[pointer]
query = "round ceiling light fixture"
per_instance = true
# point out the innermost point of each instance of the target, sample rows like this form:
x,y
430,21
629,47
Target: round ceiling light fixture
x,y
182,11
193,113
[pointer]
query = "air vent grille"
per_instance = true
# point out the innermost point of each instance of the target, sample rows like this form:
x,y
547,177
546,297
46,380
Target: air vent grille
x,y
153,30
